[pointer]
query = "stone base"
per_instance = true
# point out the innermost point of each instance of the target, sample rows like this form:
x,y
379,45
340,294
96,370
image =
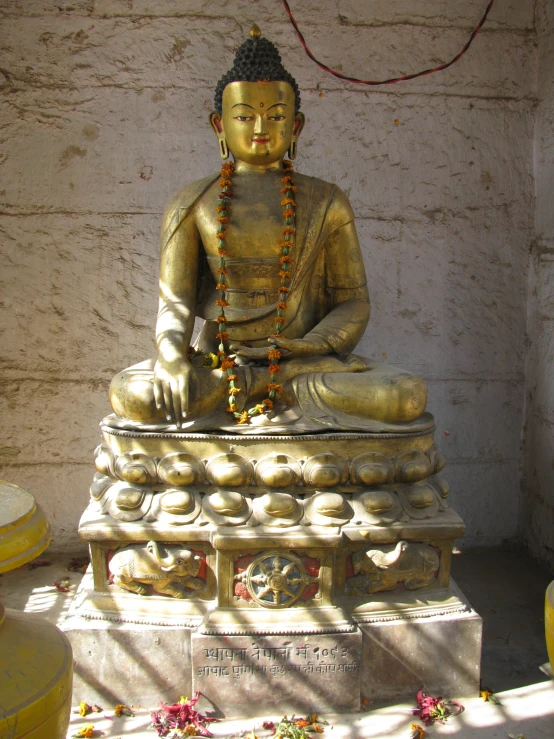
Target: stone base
x,y
396,643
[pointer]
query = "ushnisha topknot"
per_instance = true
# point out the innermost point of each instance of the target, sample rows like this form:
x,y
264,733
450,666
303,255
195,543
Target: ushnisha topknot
x,y
257,60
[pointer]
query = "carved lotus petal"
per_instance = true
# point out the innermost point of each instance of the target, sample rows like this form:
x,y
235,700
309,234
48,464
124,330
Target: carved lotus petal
x,y
371,468
104,461
377,501
325,471
99,486
278,505
136,467
178,502
436,458
412,466
227,503
329,504
181,470
421,496
442,486
230,470
128,499
278,471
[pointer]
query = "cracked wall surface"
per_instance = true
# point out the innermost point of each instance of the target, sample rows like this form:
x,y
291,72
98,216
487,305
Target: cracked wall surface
x,y
538,488
104,115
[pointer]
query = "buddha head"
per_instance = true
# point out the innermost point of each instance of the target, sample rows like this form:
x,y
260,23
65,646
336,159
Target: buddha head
x,y
257,103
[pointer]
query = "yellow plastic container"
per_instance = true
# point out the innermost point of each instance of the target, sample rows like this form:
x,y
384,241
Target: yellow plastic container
x,y
36,664
549,622
36,677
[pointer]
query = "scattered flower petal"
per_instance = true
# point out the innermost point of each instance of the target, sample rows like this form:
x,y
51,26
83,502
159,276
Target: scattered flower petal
x,y
122,710
87,731
434,709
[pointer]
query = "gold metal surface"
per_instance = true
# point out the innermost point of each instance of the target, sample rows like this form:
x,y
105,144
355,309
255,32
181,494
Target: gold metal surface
x,y
324,385
24,531
36,664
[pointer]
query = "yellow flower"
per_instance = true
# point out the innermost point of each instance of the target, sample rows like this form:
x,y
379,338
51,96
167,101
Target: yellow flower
x,y
84,708
122,710
211,360
87,731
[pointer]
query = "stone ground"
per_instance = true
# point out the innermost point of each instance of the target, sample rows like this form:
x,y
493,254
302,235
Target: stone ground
x,y
505,586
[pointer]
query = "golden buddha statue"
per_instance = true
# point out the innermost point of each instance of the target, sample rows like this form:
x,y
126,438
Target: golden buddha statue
x,y
279,282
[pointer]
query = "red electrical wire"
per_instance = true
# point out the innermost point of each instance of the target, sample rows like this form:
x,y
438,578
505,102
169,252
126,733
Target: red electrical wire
x,y
393,79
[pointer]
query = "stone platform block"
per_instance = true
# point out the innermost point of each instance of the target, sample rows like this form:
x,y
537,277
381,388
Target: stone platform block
x,y
243,675
397,643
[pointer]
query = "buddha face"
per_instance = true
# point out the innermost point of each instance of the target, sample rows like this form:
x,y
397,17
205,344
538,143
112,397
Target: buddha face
x,y
258,121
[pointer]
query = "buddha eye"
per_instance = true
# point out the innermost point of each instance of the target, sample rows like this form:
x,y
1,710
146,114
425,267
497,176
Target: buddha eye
x,y
277,118
243,118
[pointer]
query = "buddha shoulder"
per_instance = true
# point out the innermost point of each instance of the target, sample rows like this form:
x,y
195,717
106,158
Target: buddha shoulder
x,y
312,192
183,200
320,193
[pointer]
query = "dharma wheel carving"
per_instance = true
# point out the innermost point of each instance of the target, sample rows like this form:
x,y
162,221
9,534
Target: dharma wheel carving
x,y
276,579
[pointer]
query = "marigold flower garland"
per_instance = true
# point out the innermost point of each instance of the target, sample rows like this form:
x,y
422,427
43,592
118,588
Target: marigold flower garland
x,y
286,245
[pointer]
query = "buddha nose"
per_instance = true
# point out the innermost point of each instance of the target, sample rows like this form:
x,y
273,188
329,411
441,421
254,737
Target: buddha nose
x,y
260,127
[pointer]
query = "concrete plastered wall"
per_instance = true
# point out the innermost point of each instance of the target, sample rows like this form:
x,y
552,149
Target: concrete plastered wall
x,y
539,430
104,115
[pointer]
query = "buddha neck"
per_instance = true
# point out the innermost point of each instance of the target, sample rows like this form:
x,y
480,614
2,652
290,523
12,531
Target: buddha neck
x,y
246,168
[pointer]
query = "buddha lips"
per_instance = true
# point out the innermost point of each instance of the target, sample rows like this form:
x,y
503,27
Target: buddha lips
x,y
286,246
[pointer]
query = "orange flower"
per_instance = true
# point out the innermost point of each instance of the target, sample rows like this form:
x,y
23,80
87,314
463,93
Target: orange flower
x,y
317,728
223,219
225,183
288,230
283,290
221,209
243,417
288,213
281,305
221,250
221,319
302,723
274,354
221,303
222,271
232,378
223,335
286,188
273,369
288,201
234,390
284,275
268,403
122,710
221,286
221,234
259,409
231,408
86,731
227,364
286,259
287,178
274,386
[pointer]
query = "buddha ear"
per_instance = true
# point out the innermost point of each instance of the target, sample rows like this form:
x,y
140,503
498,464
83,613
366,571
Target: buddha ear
x,y
216,122
299,121
217,125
